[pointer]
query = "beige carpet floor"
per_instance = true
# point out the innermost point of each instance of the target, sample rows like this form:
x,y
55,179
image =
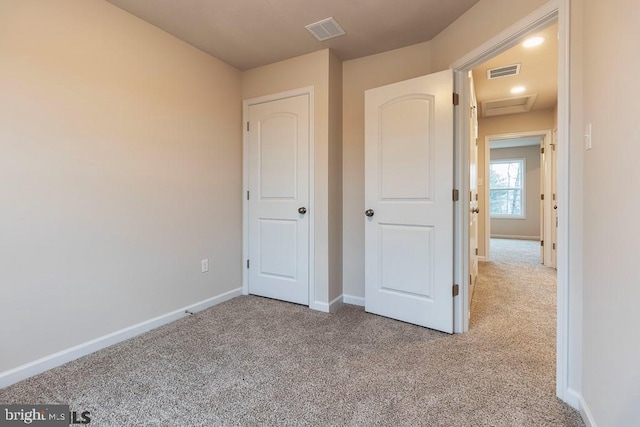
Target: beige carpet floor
x,y
255,361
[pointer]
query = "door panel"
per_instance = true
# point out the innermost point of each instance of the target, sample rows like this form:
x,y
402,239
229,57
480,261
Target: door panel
x,y
278,159
278,187
408,183
406,258
403,156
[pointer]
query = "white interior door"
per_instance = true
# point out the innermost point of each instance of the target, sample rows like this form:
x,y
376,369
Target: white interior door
x,y
474,209
554,198
409,207
278,199
544,177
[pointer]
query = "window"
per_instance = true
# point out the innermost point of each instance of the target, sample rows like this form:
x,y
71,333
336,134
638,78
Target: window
x,y
506,189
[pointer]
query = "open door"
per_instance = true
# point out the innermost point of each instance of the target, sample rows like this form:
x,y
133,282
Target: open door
x,y
474,208
408,196
554,199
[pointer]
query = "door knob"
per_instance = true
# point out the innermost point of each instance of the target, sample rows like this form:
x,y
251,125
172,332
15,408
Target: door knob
x,y
555,207
369,212
302,210
475,210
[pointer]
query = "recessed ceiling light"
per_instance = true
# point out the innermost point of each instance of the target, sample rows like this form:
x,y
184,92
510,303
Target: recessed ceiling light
x,y
533,41
518,89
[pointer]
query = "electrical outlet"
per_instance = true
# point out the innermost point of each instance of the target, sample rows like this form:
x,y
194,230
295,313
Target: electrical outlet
x,y
205,265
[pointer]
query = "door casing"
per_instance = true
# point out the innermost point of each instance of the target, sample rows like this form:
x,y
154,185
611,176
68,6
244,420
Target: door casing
x,y
309,90
543,134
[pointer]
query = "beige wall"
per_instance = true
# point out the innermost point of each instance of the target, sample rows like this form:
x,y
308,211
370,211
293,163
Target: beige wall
x,y
611,370
335,177
483,21
310,70
530,225
359,75
539,120
120,171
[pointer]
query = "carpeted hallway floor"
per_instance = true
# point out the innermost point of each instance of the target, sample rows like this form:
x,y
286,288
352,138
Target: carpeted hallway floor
x,y
254,361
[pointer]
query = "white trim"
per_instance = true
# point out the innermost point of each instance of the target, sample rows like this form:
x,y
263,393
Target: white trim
x,y
515,237
482,259
330,307
353,300
564,238
39,366
308,90
585,412
551,11
487,198
335,304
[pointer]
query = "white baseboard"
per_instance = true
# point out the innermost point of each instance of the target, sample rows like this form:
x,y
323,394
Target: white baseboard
x,y
324,307
513,236
335,304
482,259
572,398
586,414
36,367
353,300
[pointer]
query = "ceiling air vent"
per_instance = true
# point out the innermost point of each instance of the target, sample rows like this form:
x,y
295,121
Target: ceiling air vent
x,y
498,107
506,71
325,29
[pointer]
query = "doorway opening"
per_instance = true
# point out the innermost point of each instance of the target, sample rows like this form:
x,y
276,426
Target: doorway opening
x,y
519,173
542,18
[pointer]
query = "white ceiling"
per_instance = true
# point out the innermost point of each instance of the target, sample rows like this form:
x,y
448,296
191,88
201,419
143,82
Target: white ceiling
x,y
250,33
538,72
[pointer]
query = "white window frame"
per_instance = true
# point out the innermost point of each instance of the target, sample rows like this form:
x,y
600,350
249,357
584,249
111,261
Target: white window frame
x,y
523,188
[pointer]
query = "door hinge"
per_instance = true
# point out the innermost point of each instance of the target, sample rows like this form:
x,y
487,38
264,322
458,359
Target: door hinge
x,y
247,263
456,195
456,290
554,246
456,99
247,195
471,196
247,126
542,197
470,280
476,251
554,196
541,150
541,242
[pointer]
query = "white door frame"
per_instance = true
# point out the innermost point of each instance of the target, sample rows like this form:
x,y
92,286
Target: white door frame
x,y
487,159
538,19
309,90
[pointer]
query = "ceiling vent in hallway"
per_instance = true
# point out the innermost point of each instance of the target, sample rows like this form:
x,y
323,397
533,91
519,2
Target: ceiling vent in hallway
x,y
498,107
506,71
325,29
